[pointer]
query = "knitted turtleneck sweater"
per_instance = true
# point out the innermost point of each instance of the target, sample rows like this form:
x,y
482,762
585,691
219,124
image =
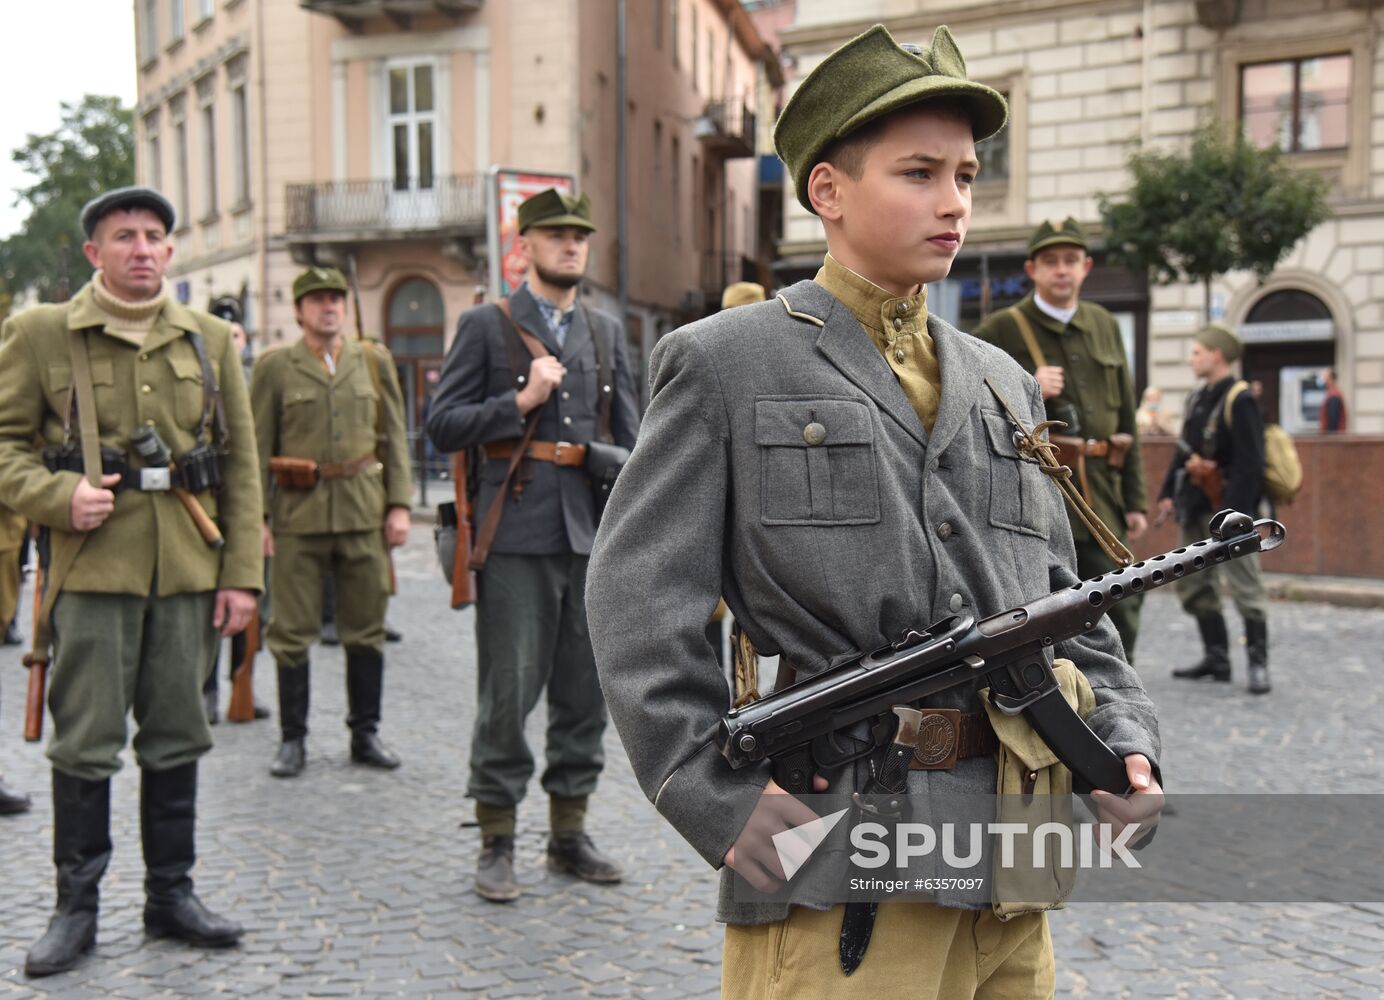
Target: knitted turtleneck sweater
x,y
130,321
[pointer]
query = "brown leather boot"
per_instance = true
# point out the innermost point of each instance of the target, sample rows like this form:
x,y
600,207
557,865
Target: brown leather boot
x,y
575,854
495,869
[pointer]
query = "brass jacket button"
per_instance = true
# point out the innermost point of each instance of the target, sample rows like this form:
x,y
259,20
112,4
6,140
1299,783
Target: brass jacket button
x,y
814,433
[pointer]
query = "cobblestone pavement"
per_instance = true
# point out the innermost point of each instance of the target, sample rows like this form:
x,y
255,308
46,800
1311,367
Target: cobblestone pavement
x,y
357,883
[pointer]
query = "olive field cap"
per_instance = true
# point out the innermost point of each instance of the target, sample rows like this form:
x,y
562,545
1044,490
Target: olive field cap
x,y
868,77
319,279
553,208
1219,337
1048,235
137,196
742,293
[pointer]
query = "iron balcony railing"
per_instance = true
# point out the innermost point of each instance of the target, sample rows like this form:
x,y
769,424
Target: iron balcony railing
x,y
343,207
727,127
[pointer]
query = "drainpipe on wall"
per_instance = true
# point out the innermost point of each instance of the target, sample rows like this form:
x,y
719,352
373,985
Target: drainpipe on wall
x,y
622,258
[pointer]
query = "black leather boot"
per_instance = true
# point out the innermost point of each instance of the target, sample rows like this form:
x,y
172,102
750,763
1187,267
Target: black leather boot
x,y
364,689
1257,648
293,722
1215,662
81,851
168,822
12,803
575,854
495,869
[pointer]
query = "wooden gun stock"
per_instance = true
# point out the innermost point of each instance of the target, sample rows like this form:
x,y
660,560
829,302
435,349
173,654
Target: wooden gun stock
x,y
211,534
37,662
242,706
463,577
1206,476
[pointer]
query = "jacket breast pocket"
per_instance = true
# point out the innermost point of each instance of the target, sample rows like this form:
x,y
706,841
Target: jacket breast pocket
x,y
817,461
367,405
187,390
302,423
1016,500
1110,369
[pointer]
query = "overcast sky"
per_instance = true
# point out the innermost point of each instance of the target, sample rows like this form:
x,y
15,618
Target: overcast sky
x,y
56,51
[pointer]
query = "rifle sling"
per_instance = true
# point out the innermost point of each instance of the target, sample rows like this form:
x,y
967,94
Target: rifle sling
x,y
490,524
1030,341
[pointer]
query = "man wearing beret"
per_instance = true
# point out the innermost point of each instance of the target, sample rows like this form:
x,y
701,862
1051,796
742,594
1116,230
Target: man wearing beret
x,y
334,454
834,463
1222,425
1075,350
135,588
567,374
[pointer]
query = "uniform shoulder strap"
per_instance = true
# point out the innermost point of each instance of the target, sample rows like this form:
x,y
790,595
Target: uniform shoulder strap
x,y
1030,341
1230,395
86,407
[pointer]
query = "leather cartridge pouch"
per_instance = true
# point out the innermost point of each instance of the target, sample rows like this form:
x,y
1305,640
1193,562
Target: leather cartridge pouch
x,y
603,463
294,473
1119,450
1034,788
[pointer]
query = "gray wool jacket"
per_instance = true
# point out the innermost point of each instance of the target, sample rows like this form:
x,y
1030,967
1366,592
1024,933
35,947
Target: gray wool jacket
x,y
475,405
822,553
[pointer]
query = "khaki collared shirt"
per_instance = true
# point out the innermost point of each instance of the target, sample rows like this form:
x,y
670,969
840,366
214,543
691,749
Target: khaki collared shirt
x,y
898,327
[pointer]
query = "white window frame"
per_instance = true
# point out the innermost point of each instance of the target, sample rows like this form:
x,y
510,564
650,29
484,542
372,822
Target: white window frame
x,y
177,117
206,122
412,118
177,22
153,151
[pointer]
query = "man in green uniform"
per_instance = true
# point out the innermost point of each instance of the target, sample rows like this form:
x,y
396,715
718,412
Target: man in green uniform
x,y
136,590
334,407
1075,351
12,528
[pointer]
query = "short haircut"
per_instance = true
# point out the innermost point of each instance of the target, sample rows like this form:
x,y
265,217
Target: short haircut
x,y
847,154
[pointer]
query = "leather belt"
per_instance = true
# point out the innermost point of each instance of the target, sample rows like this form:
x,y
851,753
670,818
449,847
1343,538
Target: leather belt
x,y
1089,447
562,453
948,735
344,470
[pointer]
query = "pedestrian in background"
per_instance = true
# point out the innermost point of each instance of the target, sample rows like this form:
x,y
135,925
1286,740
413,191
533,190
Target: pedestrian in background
x,y
333,449
1150,418
1332,418
531,632
1223,427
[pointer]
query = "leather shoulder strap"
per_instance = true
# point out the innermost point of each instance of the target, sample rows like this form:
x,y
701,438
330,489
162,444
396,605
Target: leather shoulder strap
x,y
531,343
1230,395
212,403
86,407
1030,341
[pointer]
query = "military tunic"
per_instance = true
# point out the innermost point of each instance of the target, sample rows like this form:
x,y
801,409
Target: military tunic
x,y
1098,390
302,411
140,588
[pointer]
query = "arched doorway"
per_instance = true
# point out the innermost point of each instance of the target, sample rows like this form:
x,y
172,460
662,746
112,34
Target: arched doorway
x,y
414,334
1290,336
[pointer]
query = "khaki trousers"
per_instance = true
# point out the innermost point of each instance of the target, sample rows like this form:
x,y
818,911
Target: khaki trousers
x,y
359,562
918,950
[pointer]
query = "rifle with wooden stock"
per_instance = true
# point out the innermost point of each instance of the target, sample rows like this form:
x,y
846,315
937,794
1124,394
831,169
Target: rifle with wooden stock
x,y
242,706
463,576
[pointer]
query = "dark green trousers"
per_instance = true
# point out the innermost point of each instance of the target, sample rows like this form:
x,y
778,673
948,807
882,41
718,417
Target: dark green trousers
x,y
1199,592
1091,560
113,653
358,560
530,636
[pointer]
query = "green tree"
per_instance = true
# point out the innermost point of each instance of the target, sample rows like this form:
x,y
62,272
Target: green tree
x,y
1225,205
90,152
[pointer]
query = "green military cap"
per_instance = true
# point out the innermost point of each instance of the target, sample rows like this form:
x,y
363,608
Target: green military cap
x,y
1068,233
1219,337
742,293
319,279
136,196
553,208
868,77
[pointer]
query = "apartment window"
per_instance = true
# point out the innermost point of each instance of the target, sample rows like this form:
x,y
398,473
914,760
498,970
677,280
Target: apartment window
x,y
240,132
993,154
710,64
205,9
150,25
206,104
658,24
658,147
693,64
176,29
153,155
675,161
1299,104
673,29
177,114
412,124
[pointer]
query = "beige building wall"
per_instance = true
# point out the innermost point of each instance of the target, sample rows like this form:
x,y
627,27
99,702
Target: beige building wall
x,y
1090,79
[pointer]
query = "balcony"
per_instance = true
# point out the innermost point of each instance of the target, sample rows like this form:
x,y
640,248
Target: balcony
x,y
726,129
360,211
353,13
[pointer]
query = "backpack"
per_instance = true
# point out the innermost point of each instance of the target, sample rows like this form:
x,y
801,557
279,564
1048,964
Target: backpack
x,y
1282,467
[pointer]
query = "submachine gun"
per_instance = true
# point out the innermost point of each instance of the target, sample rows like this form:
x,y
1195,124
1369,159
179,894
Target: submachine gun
x,y
803,728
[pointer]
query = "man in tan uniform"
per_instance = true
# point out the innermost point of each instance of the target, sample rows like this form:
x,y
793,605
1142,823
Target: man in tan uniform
x,y
330,411
136,588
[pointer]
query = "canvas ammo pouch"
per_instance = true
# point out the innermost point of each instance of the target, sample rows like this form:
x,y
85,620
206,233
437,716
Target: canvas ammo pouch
x,y
1034,788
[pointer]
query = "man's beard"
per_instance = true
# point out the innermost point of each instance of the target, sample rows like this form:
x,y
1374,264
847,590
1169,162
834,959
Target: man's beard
x,y
555,278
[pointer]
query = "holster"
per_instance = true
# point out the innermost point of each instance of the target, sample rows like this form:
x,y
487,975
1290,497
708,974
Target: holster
x,y
1120,444
1071,452
294,473
1206,476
